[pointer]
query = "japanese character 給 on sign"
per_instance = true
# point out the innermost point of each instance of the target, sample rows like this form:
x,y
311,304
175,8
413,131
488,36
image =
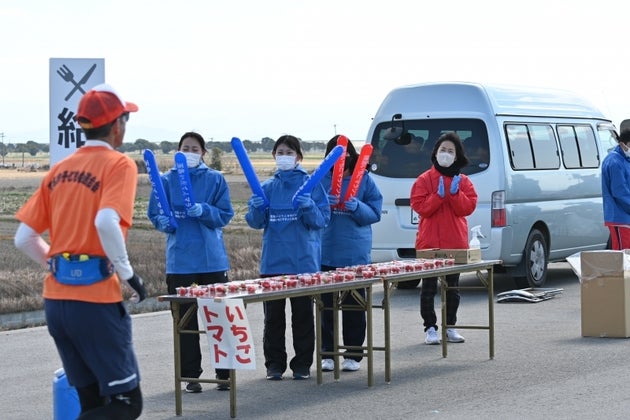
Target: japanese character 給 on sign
x,y
69,79
229,335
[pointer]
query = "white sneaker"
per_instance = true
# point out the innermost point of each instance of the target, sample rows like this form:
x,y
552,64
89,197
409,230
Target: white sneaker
x,y
328,365
432,337
452,336
350,365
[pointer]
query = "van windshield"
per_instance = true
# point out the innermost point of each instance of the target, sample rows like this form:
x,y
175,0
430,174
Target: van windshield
x,y
402,148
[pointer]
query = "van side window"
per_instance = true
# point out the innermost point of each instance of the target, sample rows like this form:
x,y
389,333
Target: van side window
x,y
569,146
607,137
589,154
520,149
544,145
579,147
532,146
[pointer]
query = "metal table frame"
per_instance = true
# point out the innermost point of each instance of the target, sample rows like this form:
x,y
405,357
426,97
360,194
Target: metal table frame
x,y
367,351
338,290
488,284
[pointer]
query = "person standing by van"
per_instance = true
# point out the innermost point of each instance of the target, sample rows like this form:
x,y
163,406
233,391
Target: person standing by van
x,y
351,224
195,252
443,197
616,192
291,245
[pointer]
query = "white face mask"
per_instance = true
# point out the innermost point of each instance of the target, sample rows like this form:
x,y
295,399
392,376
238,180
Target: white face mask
x,y
285,162
445,159
626,151
192,159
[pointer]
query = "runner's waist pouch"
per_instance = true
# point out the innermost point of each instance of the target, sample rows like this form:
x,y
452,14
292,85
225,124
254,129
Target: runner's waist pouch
x,y
80,270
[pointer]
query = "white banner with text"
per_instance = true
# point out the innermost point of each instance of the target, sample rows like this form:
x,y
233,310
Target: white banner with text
x,y
229,334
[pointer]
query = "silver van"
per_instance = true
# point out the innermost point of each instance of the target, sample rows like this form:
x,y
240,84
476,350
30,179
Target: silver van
x,y
535,162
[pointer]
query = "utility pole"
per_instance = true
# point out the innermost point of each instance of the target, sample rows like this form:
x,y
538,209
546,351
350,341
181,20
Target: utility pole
x,y
4,152
335,128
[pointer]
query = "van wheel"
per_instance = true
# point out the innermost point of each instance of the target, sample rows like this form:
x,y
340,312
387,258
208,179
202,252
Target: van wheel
x,y
409,284
534,264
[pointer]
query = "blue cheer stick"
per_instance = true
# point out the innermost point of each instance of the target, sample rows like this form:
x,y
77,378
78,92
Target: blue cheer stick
x,y
248,170
184,179
319,173
158,188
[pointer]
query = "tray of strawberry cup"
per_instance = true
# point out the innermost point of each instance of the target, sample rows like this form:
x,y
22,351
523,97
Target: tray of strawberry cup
x,y
316,282
435,267
402,266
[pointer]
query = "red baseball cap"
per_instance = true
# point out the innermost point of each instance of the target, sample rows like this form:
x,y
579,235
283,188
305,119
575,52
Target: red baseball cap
x,y
101,105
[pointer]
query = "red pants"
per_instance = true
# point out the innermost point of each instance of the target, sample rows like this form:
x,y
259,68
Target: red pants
x,y
620,237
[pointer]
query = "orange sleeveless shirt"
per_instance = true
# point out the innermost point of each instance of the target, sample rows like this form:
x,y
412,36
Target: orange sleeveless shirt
x,y
66,204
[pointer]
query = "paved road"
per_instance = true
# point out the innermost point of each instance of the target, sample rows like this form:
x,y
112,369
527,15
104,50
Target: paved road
x,y
543,369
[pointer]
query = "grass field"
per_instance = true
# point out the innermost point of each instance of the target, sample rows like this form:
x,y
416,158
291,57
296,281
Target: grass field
x,y
21,279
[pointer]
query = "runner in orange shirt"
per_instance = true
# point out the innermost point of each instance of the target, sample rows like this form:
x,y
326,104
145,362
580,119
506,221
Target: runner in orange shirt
x,y
85,202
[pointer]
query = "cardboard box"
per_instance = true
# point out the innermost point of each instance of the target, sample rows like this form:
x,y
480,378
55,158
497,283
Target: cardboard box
x,y
605,293
461,256
594,264
606,307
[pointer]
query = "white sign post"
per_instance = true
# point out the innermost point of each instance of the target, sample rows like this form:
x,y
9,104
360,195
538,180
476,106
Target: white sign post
x,y
229,335
70,78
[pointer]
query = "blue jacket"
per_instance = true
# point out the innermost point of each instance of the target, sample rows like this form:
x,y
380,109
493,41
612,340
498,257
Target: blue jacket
x,y
196,246
347,240
616,187
291,238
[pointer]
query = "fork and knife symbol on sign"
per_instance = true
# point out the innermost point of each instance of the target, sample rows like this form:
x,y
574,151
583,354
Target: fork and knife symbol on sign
x,y
67,75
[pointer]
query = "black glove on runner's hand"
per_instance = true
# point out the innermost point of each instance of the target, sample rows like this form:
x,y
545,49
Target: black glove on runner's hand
x,y
137,285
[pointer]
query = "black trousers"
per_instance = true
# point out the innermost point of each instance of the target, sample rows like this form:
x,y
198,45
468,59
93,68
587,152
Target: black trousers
x,y
303,328
427,297
353,323
190,354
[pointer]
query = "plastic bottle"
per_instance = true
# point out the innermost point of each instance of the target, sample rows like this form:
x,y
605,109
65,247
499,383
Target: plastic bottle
x,y
476,233
66,405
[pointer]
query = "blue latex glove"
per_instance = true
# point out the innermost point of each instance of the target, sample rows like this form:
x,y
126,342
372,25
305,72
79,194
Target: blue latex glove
x,y
163,223
440,190
333,200
256,201
195,211
304,201
455,184
352,204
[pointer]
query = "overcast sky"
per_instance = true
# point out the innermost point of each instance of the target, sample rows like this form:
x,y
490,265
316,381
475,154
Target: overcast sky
x,y
255,68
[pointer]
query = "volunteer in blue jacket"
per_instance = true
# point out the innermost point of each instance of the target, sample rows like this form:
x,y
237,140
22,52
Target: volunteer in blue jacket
x,y
347,241
195,252
291,245
616,192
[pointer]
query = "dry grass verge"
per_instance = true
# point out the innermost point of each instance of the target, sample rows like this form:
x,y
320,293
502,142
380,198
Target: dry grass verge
x,y
21,279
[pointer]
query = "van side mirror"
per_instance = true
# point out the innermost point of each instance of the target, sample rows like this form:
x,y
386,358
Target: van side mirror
x,y
393,132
